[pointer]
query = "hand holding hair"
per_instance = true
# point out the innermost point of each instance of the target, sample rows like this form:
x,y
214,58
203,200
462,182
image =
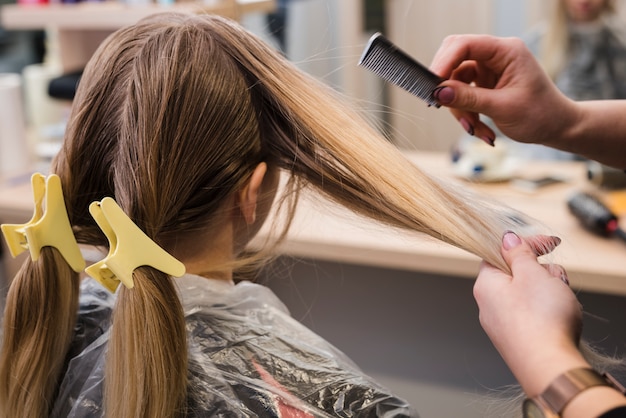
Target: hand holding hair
x,y
532,306
534,320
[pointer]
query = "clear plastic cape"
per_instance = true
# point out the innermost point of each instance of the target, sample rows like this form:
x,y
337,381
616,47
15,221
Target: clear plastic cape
x,y
247,358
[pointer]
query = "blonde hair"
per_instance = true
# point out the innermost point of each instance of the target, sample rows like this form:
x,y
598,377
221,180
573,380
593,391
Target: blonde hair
x,y
555,45
170,118
38,326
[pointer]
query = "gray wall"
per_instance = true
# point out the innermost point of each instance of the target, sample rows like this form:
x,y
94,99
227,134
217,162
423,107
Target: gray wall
x,y
417,333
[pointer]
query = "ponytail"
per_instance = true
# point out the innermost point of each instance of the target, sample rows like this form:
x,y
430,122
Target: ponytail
x,y
38,326
146,367
41,304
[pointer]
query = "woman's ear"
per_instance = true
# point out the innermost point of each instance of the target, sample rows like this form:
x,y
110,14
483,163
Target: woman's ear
x,y
249,194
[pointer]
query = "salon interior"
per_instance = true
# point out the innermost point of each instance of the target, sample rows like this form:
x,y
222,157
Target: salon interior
x,y
400,306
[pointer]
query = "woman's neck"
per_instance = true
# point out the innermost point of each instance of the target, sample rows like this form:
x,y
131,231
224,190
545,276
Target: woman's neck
x,y
209,253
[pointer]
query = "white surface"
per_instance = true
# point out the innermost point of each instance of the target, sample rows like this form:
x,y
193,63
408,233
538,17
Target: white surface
x,y
41,109
14,153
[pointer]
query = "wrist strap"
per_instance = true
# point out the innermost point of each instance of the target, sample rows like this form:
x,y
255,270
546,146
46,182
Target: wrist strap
x,y
573,382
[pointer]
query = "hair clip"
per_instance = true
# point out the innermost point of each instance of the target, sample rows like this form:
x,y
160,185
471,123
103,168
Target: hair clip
x,y
49,226
130,248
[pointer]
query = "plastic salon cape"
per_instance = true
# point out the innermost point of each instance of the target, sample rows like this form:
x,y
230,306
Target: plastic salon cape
x,y
247,358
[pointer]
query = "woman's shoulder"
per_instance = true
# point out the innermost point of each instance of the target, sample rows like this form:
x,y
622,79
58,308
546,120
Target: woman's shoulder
x,y
246,350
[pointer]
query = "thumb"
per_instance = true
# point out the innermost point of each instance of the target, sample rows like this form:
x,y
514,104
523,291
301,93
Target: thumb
x,y
459,95
516,251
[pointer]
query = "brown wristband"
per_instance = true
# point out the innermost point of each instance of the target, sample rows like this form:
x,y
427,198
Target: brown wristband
x,y
573,382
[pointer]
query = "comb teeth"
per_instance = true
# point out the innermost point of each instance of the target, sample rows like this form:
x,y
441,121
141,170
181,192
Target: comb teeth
x,y
390,63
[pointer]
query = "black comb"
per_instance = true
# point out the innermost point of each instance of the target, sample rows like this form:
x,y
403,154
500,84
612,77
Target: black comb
x,y
392,64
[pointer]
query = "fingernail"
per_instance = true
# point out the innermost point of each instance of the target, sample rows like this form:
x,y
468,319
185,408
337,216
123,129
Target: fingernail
x,y
548,246
510,240
444,95
467,126
489,141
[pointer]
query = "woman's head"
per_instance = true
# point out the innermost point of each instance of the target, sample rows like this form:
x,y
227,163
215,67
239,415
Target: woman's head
x,y
165,122
555,47
584,11
165,117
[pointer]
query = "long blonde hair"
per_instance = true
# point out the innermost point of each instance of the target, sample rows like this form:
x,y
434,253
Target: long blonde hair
x,y
170,118
555,45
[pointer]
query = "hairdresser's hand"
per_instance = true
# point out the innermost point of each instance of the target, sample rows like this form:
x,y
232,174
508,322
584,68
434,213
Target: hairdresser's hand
x,y
500,78
532,317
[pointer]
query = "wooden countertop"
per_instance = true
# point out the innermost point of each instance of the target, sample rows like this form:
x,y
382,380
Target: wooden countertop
x,y
327,232
593,263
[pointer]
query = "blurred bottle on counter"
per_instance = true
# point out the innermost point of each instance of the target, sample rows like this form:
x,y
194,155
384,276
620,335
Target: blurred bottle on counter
x,y
606,177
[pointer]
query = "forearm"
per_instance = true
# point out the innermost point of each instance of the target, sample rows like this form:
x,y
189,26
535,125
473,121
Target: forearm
x,y
593,402
597,130
535,368
538,373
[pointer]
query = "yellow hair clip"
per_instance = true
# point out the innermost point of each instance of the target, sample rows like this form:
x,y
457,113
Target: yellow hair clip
x,y
49,226
130,248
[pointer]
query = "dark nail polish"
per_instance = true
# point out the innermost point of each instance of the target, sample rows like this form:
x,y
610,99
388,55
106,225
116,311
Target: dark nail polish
x,y
489,141
467,126
444,94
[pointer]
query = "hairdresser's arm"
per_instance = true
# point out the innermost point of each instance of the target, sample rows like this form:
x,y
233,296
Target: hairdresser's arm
x,y
534,321
499,77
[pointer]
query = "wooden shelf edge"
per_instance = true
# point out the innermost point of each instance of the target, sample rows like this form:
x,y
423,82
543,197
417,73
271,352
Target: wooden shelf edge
x,y
111,15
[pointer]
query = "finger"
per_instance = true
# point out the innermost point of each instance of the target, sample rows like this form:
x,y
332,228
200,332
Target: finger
x,y
472,72
462,114
467,120
558,272
543,244
472,124
459,95
518,254
466,72
485,133
456,49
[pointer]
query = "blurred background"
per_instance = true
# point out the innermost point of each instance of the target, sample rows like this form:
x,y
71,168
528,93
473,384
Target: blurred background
x,y
418,332
324,37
